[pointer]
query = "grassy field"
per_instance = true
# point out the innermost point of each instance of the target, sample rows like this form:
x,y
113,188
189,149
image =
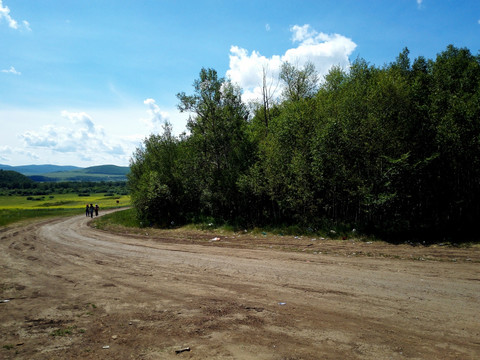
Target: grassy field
x,y
18,208
124,218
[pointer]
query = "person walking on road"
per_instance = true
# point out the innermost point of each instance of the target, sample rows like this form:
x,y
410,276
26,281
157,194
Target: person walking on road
x,y
96,209
87,211
91,210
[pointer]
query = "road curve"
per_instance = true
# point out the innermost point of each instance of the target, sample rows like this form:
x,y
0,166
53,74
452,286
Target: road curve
x,y
145,298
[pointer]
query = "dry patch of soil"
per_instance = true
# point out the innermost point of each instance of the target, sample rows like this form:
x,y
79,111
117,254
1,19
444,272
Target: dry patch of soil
x,y
75,292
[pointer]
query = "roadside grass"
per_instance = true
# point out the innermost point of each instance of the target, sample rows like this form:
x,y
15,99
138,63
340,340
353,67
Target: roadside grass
x,y
126,218
62,201
18,208
10,216
120,220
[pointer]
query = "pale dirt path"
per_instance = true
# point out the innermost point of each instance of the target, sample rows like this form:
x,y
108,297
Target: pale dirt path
x,y
147,297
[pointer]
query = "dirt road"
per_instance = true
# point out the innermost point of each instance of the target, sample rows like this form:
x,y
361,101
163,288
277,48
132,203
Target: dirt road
x,y
79,293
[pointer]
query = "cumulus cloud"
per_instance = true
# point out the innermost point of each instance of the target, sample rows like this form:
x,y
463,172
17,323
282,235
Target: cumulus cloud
x,y
7,152
81,120
47,137
323,50
157,117
12,70
12,23
77,134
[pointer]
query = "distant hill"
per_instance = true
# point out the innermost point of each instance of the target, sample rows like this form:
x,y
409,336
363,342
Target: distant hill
x,y
107,170
45,173
11,179
38,169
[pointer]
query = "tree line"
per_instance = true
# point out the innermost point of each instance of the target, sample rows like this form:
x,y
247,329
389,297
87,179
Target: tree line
x,y
392,151
14,183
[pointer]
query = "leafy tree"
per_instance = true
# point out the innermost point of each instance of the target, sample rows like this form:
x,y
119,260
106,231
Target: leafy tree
x,y
393,151
156,190
300,83
219,141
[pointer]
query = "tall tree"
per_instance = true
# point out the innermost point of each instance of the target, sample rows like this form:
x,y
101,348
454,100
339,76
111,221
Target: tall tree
x,y
300,83
155,186
218,135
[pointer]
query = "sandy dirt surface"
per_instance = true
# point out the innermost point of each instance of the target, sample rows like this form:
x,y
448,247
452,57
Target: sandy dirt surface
x,y
75,292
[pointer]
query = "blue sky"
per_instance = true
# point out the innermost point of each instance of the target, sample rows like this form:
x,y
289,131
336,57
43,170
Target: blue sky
x,y
82,82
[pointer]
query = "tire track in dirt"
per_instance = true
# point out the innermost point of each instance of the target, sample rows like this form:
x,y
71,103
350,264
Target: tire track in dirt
x,y
74,290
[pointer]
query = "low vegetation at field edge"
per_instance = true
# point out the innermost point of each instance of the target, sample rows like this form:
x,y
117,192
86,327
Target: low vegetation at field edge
x,y
17,208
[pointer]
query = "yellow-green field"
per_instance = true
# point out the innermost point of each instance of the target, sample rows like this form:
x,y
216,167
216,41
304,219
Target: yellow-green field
x,y
18,208
64,201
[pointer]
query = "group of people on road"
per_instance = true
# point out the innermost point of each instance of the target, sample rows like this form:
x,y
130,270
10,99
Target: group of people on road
x,y
90,209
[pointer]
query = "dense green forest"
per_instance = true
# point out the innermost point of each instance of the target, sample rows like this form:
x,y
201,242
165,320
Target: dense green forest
x,y
391,151
11,179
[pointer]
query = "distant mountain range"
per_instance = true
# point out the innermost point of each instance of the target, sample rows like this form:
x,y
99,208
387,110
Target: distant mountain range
x,y
71,173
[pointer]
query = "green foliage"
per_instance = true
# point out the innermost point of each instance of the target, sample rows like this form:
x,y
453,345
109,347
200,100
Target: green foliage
x,y
16,208
84,188
154,180
10,216
13,180
218,142
392,151
64,331
299,83
125,218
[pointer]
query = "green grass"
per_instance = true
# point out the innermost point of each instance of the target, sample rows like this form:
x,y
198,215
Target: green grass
x,y
125,218
10,216
71,201
63,332
18,208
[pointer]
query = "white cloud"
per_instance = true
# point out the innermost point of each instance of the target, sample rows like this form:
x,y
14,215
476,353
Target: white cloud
x,y
12,70
80,119
26,25
4,149
12,23
5,14
7,152
300,33
157,117
47,137
77,135
419,3
267,27
323,50
87,137
31,155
